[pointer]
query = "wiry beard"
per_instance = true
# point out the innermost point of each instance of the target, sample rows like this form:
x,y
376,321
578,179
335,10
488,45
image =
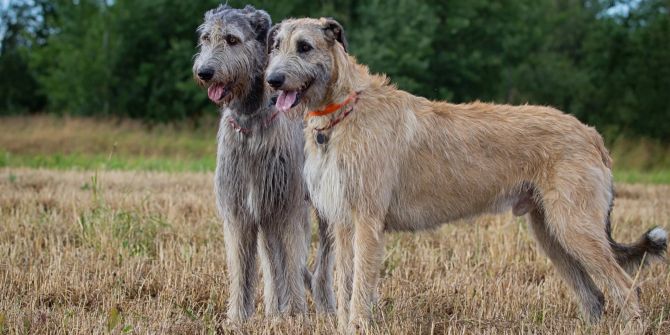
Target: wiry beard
x,y
236,76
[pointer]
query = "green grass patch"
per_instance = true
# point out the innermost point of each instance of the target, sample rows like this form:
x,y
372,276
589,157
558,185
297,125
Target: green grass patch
x,y
643,177
61,161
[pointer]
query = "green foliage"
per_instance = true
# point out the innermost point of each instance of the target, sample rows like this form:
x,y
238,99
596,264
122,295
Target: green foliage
x,y
19,33
157,43
378,40
132,58
76,60
607,62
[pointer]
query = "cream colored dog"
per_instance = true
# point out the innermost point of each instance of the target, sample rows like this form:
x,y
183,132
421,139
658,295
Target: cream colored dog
x,y
378,159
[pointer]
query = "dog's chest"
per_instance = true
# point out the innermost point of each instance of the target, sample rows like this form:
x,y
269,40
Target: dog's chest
x,y
255,180
325,181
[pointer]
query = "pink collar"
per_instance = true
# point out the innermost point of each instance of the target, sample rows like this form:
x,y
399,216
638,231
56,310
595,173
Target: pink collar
x,y
246,131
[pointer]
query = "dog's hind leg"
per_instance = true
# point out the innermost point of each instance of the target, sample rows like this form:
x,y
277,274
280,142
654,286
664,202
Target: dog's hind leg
x,y
590,297
240,240
575,214
322,281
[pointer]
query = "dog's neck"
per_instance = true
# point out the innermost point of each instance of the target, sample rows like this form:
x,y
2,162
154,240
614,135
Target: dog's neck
x,y
254,102
349,81
348,76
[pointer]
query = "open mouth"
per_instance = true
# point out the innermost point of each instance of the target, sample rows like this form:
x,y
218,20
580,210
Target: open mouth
x,y
217,92
288,99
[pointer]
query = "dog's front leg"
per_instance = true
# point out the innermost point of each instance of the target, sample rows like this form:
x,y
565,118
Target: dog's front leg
x,y
368,256
240,240
344,253
272,255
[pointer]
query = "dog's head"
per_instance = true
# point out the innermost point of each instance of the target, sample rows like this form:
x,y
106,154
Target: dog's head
x,y
303,58
232,51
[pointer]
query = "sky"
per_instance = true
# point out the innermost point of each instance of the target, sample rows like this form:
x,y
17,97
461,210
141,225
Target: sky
x,y
622,9
3,6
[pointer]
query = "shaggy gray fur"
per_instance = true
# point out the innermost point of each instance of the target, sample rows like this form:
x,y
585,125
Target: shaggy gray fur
x,y
258,182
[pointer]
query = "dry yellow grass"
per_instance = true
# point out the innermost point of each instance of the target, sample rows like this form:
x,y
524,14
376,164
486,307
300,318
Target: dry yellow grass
x,y
142,252
67,135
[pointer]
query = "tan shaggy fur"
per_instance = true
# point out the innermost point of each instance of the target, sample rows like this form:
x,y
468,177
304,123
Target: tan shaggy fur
x,y
402,162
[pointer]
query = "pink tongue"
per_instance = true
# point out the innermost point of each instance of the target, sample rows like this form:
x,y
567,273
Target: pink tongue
x,y
215,92
286,100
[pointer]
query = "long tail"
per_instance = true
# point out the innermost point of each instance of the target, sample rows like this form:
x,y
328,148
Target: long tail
x,y
652,245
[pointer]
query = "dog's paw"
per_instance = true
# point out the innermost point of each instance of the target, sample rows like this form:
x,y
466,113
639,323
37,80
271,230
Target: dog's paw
x,y
237,314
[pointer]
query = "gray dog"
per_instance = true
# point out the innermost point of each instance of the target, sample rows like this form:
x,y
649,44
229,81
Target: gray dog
x,y
258,183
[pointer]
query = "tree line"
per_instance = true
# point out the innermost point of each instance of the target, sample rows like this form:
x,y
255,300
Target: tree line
x,y
606,62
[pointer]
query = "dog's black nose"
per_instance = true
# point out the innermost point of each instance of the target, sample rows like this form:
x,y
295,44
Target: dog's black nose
x,y
206,73
276,80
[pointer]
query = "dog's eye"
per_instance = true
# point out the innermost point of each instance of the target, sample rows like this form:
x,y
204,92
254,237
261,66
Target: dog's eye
x,y
304,47
205,37
232,40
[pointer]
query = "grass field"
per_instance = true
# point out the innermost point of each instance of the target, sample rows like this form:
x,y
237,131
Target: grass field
x,y
124,238
56,143
87,144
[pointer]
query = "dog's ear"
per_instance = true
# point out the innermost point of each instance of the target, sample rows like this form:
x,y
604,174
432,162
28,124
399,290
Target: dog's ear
x,y
335,32
260,22
272,36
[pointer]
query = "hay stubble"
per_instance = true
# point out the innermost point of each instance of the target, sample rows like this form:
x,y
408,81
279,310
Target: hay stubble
x,y
142,252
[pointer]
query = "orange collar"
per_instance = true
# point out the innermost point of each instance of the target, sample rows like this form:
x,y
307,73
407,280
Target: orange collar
x,y
332,108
